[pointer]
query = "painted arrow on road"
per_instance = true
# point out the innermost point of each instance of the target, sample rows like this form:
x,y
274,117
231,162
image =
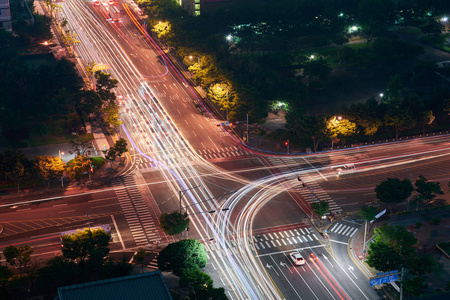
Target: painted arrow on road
x,y
326,257
350,268
285,265
271,267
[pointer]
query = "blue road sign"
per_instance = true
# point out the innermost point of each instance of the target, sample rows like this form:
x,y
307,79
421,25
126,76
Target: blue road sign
x,y
223,124
227,123
384,279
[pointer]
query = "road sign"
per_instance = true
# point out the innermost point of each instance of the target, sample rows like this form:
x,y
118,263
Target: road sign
x,y
227,123
379,215
223,123
384,278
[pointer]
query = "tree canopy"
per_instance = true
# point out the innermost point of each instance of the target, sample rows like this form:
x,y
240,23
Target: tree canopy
x,y
174,223
50,167
88,243
182,255
394,190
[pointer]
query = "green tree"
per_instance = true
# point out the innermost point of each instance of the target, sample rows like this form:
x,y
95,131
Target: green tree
x,y
111,115
397,237
320,208
81,145
317,69
383,257
78,166
367,213
89,103
140,256
394,191
307,128
375,16
121,148
17,174
426,118
200,286
427,190
104,85
181,255
338,127
89,244
399,118
111,155
50,167
415,286
394,90
174,223
19,257
58,271
223,95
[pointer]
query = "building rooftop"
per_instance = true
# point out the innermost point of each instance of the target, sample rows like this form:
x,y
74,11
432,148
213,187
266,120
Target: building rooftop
x,y
146,286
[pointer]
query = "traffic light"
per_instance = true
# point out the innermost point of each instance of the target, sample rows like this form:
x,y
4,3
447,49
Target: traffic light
x,y
91,169
299,179
187,228
286,143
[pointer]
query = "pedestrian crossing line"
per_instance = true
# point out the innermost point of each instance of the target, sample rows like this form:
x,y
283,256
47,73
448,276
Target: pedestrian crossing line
x,y
336,227
267,243
273,243
315,236
256,245
310,237
278,242
276,235
345,231
353,233
284,242
271,237
290,242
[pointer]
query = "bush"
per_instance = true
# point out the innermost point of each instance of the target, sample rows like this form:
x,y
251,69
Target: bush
x,y
182,255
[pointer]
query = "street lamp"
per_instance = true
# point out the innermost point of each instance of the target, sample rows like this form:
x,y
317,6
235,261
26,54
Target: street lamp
x,y
198,59
60,154
337,120
229,37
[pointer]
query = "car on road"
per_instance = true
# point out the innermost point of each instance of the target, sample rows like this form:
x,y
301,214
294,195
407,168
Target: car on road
x,y
345,169
297,258
97,3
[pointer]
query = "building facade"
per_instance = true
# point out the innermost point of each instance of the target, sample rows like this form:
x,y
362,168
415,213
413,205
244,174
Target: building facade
x,y
5,15
199,7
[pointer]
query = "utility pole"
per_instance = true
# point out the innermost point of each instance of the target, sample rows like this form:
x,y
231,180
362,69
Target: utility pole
x,y
247,129
181,192
364,243
410,179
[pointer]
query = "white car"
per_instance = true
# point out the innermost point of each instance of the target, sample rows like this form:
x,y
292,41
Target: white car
x,y
297,258
345,169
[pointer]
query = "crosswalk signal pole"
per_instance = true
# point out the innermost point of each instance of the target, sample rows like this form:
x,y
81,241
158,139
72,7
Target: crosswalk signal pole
x,y
364,244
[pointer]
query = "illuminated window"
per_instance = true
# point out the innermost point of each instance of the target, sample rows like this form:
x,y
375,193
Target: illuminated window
x,y
197,13
197,6
197,1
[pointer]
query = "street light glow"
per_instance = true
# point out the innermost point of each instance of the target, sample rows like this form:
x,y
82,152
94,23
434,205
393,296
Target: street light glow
x,y
311,57
229,37
444,19
381,95
354,28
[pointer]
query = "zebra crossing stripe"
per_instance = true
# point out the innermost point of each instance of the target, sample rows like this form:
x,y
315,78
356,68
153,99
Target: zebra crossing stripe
x,y
346,230
284,242
310,237
335,228
315,236
354,231
290,231
351,233
273,243
301,231
275,234
306,240
290,242
265,237
342,229
271,237
293,238
267,243
278,242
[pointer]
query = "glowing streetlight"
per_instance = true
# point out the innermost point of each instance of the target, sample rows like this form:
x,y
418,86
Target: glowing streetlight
x,y
381,95
339,118
312,57
444,19
341,15
229,37
60,154
198,59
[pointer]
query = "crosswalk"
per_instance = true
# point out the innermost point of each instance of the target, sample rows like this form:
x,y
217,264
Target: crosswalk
x,y
280,239
230,151
136,212
313,191
342,229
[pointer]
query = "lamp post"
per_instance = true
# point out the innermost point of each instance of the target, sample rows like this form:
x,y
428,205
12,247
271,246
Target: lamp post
x,y
410,179
336,120
181,193
198,59
60,154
